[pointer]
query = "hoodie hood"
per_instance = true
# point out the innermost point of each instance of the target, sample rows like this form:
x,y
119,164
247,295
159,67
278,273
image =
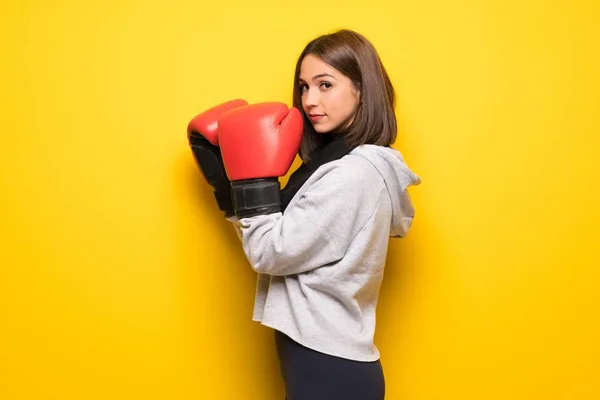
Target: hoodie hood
x,y
398,177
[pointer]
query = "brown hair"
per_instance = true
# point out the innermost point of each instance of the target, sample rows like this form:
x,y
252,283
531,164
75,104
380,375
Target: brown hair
x,y
354,56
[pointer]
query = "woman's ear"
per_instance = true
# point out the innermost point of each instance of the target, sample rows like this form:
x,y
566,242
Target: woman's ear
x,y
357,96
356,92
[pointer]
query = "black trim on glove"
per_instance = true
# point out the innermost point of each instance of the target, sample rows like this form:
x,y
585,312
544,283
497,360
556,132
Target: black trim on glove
x,y
209,160
256,197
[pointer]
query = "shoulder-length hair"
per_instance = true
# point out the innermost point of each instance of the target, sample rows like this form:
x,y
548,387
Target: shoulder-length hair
x,y
374,121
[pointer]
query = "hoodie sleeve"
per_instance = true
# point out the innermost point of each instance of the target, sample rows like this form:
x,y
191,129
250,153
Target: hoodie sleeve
x,y
318,228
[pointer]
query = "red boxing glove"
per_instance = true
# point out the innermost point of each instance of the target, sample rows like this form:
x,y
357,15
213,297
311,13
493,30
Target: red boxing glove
x,y
205,123
259,143
203,139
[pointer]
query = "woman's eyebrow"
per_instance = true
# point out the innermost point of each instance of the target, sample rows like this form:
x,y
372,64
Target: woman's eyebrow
x,y
319,76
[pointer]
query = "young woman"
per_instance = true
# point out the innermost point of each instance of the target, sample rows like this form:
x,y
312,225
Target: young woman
x,y
321,247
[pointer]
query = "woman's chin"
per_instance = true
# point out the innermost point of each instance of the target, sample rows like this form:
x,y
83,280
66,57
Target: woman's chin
x,y
321,129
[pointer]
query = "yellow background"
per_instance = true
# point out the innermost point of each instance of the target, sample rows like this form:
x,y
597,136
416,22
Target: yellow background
x,y
119,279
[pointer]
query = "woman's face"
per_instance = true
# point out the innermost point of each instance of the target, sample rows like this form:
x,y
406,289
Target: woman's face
x,y
328,97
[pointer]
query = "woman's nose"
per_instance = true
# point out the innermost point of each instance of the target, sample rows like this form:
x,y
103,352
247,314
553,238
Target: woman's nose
x,y
311,98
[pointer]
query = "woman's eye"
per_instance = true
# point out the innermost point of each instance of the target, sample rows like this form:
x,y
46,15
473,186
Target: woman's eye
x,y
302,88
326,85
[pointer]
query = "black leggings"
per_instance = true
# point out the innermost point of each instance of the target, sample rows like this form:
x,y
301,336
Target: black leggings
x,y
311,375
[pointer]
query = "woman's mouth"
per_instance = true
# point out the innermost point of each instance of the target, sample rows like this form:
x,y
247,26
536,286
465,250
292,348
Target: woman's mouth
x,y
316,117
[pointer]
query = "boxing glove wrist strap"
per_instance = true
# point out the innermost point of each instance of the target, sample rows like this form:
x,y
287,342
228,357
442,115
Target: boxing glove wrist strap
x,y
256,197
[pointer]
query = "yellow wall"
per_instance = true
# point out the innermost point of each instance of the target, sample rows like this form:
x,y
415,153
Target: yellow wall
x,y
119,279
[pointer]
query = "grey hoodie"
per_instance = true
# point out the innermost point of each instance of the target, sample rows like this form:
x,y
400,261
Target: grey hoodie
x,y
320,263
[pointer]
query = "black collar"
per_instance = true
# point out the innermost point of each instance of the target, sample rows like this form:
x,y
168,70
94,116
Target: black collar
x,y
334,149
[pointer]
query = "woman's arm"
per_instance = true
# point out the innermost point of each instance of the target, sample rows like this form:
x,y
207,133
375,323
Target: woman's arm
x,y
318,228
